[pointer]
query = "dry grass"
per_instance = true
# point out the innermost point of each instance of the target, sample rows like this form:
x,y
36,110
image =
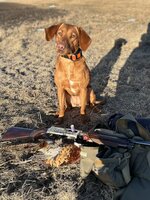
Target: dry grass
x,y
28,94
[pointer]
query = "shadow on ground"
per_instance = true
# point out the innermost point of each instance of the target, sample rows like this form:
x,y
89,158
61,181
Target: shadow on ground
x,y
101,73
14,14
133,85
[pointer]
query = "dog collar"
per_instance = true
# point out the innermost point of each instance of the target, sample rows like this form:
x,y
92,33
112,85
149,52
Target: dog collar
x,y
75,56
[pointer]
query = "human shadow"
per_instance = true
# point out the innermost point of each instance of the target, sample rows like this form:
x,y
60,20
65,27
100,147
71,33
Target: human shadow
x,y
100,74
14,14
133,85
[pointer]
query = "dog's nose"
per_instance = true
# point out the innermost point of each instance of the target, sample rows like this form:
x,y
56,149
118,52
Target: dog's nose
x,y
60,47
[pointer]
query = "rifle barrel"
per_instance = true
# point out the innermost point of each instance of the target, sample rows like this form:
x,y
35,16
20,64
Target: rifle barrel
x,y
141,142
109,137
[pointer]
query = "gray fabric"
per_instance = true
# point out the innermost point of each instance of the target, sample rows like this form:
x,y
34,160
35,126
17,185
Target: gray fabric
x,y
137,189
126,170
115,170
122,127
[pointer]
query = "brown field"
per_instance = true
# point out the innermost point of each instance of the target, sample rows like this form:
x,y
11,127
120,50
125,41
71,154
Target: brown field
x,y
28,94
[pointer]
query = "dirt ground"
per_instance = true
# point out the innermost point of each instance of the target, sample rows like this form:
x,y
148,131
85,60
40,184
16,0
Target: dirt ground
x,y
28,94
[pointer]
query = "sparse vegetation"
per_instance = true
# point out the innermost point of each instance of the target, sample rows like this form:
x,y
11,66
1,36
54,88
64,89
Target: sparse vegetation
x,y
28,97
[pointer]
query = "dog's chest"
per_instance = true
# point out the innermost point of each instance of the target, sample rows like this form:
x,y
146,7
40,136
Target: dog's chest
x,y
72,78
70,75
70,72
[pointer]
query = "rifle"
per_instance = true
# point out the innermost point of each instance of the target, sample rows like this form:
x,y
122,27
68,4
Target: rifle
x,y
97,137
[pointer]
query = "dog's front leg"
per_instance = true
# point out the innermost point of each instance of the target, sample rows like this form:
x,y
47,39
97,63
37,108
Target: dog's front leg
x,y
83,100
61,102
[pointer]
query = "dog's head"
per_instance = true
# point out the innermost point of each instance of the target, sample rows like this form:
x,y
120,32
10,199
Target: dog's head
x,y
69,38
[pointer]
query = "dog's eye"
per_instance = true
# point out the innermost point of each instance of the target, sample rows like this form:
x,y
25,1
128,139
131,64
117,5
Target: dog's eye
x,y
73,35
59,33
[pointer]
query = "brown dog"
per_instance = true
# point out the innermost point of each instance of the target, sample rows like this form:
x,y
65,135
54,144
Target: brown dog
x,y
72,76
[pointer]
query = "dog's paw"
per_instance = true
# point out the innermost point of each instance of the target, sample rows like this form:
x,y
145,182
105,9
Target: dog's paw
x,y
59,121
57,113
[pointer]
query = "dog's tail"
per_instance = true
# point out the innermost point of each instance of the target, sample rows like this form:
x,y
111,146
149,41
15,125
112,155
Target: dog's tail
x,y
94,101
102,101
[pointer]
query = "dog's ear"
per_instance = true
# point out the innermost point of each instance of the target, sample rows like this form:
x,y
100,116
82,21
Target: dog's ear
x,y
51,31
84,39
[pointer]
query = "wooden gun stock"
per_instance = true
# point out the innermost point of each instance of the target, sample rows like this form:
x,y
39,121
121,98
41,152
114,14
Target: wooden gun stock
x,y
18,133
